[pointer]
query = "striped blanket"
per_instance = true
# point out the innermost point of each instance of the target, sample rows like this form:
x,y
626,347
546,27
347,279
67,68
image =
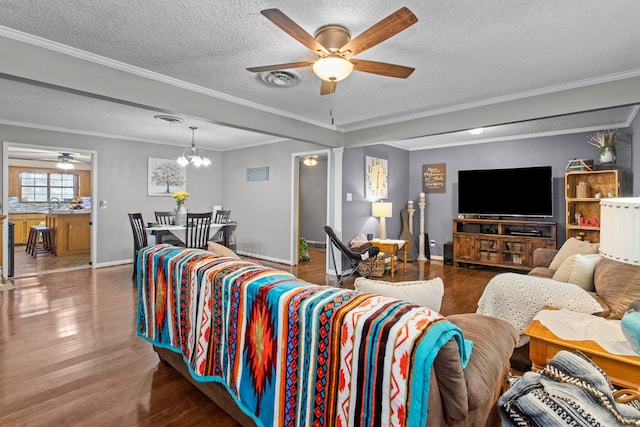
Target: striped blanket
x,y
291,353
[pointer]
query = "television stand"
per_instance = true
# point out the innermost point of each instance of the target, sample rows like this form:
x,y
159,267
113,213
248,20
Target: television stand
x,y
500,243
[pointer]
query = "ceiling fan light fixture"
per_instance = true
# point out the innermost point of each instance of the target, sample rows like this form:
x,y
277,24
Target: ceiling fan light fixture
x,y
64,165
332,68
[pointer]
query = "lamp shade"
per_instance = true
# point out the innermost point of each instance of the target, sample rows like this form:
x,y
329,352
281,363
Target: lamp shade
x,y
620,228
332,68
382,209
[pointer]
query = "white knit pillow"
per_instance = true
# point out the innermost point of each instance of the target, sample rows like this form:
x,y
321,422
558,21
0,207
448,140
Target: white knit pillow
x,y
427,293
578,269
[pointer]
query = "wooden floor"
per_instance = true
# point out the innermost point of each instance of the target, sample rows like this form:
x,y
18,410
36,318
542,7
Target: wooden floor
x,y
69,354
26,265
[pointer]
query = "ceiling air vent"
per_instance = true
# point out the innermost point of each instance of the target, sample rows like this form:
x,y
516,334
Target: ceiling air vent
x,y
281,79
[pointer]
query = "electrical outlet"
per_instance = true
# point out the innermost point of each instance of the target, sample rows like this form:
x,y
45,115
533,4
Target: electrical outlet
x,y
432,243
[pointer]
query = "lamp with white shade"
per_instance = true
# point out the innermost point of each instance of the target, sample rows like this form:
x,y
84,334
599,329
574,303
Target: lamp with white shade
x,y
619,228
382,210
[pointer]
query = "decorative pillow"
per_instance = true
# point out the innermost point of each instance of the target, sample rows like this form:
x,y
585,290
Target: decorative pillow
x,y
573,246
618,284
222,250
578,269
427,293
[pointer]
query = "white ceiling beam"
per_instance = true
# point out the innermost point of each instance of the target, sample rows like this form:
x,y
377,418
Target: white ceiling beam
x,y
587,98
38,65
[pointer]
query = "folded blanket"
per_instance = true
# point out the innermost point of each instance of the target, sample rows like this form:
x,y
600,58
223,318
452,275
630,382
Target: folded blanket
x,y
570,390
517,298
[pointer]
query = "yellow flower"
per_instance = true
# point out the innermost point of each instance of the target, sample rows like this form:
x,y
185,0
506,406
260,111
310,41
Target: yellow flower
x,y
180,196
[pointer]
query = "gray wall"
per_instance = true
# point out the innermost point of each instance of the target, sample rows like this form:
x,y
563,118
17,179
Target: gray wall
x,y
406,183
122,182
262,208
313,201
356,215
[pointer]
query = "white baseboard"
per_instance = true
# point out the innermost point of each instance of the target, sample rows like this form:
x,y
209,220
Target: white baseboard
x,y
266,258
113,263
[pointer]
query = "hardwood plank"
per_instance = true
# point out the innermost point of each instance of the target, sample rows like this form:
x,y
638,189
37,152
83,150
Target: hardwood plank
x,y
69,353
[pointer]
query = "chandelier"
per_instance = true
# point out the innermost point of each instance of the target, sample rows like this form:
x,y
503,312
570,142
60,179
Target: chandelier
x,y
192,155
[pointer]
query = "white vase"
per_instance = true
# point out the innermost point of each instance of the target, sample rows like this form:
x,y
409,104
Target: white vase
x,y
181,215
607,156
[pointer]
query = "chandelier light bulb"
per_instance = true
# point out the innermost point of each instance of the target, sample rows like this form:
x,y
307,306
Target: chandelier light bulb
x,y
206,161
182,161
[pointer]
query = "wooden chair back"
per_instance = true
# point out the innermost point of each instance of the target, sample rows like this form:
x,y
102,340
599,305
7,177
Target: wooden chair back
x,y
198,229
139,237
222,217
165,218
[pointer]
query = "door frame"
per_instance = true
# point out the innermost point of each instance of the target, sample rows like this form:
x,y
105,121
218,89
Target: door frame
x,y
332,172
94,192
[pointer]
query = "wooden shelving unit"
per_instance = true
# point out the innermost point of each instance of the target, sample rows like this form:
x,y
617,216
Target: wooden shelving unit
x,y
500,243
582,199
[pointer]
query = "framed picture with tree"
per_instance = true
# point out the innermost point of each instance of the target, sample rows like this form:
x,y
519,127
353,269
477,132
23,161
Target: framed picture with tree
x,y
165,177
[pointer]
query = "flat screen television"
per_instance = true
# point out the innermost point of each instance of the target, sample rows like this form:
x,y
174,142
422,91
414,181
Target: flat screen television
x,y
506,192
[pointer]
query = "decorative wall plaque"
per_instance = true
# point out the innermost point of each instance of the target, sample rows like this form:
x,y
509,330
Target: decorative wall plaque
x,y
434,178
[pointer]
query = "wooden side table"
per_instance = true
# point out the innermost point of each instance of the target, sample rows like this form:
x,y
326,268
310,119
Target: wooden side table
x,y
392,247
623,371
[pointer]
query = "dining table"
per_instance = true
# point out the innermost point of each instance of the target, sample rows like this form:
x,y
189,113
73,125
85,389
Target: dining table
x,y
179,231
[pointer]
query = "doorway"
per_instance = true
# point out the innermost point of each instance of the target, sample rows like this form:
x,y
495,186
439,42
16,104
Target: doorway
x,y
311,201
50,187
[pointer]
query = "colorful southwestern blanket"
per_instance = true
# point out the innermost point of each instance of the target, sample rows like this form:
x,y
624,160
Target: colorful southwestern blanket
x,y
291,353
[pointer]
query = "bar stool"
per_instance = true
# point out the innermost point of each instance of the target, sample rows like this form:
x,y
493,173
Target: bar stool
x,y
40,240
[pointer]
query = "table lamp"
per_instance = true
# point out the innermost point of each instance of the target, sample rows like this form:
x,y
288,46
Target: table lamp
x,y
382,210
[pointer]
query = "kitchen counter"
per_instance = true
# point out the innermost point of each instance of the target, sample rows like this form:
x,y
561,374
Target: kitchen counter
x,y
72,231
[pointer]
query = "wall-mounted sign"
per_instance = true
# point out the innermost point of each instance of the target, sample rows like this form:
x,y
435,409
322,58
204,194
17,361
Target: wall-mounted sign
x,y
434,178
258,174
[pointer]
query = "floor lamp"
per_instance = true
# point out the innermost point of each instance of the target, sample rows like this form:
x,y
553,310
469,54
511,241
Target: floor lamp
x,y
382,210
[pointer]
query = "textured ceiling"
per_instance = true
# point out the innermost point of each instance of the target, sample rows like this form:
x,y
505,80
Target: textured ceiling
x,y
465,54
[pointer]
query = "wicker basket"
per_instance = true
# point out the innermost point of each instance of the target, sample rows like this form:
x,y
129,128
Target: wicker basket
x,y
378,266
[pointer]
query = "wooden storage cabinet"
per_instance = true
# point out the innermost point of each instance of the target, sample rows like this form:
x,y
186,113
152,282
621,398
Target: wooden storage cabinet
x,y
582,199
500,243
22,225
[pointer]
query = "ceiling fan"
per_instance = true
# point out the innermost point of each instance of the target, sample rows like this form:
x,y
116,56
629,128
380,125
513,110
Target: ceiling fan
x,y
335,48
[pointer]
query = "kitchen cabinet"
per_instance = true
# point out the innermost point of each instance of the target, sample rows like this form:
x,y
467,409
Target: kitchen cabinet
x,y
23,223
72,233
84,183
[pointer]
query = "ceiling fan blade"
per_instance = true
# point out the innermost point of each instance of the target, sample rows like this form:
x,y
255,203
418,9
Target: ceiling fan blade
x,y
277,67
398,21
287,25
382,68
328,87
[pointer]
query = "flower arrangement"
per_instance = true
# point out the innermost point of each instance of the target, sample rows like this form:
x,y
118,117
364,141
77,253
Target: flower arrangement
x,y
605,140
180,197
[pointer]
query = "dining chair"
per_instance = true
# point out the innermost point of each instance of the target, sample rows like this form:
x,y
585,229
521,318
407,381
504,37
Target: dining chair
x,y
198,229
222,217
139,238
165,218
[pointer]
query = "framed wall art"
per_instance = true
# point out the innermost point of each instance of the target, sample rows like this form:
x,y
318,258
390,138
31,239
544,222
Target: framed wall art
x,y
165,177
376,178
434,178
